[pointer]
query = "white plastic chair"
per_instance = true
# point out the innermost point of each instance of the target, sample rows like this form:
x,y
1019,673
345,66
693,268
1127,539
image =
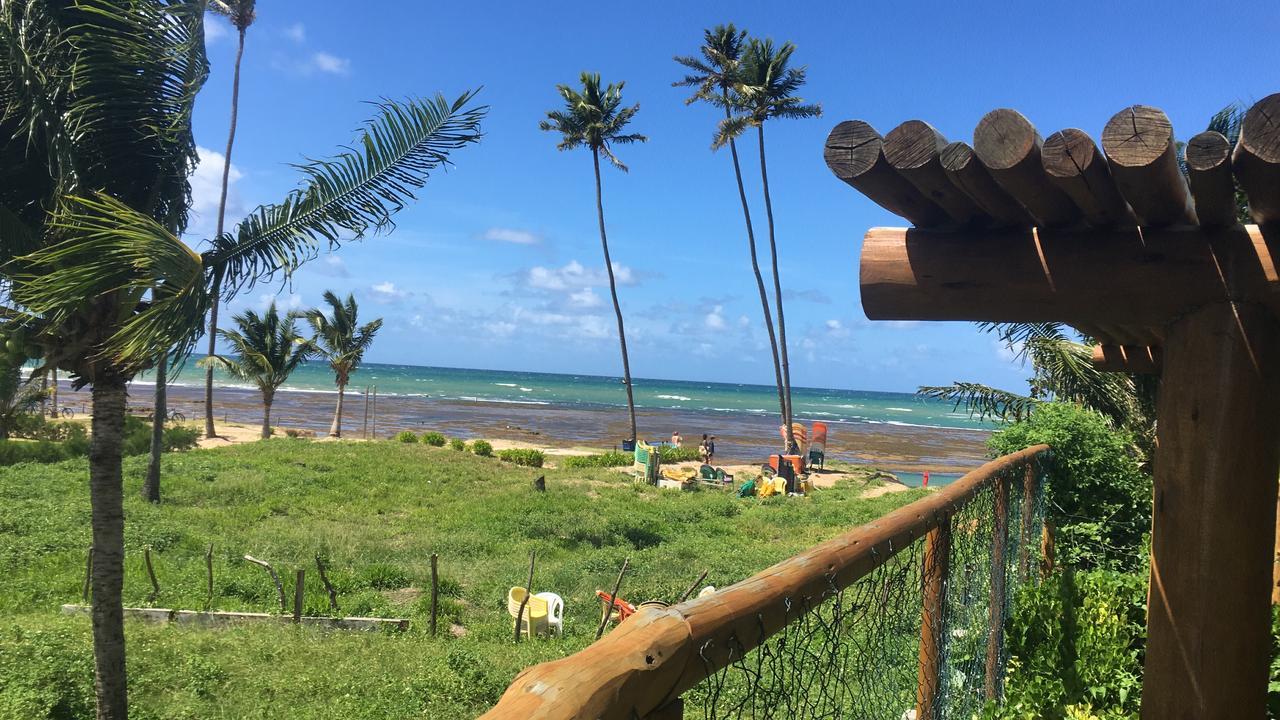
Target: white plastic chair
x,y
555,611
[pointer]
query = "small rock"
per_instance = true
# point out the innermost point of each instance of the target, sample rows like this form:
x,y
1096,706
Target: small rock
x,y
457,630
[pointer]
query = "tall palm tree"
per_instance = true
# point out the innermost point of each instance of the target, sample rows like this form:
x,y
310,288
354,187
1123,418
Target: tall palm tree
x,y
714,76
268,348
340,342
766,90
595,118
241,13
96,149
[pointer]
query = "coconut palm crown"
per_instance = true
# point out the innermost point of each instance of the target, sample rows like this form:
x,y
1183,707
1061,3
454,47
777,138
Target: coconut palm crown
x,y
266,349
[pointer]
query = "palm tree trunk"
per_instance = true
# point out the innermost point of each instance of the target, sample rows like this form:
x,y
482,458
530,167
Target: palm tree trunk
x,y
151,486
613,292
336,429
777,297
106,495
267,399
755,268
222,213
54,386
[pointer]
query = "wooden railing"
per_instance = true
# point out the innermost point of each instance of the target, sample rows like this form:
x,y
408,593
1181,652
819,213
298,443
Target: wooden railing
x,y
642,668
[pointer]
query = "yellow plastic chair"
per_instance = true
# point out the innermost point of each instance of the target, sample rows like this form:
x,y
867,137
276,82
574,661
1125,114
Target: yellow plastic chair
x,y
534,621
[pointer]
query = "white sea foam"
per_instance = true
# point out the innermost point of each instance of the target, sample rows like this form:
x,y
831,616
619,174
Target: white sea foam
x,y
506,384
681,398
900,409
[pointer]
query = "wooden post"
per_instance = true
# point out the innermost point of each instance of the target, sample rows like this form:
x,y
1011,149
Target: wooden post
x,y
88,573
528,592
364,430
1213,519
1029,494
435,594
936,571
613,598
299,591
328,586
208,567
694,586
151,573
275,578
373,433
995,610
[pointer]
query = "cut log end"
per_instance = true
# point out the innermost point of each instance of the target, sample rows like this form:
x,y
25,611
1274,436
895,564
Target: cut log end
x,y
1207,151
1067,153
852,148
1004,138
913,144
1137,136
1260,131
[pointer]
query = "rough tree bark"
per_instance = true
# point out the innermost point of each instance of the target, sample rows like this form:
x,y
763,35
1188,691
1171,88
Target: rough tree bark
x,y
106,494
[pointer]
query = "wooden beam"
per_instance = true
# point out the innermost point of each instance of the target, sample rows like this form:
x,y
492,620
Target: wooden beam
x,y
855,153
1074,164
1140,146
1130,359
967,172
914,149
1214,516
1009,146
1256,159
1123,276
1209,172
936,572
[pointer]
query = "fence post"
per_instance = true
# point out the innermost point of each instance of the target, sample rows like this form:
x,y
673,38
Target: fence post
x,y
1028,514
995,625
936,569
299,592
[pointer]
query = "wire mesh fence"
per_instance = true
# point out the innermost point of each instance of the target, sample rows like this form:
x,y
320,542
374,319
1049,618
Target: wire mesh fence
x,y
920,636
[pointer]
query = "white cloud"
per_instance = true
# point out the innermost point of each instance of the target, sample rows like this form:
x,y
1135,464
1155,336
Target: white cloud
x,y
387,293
292,302
585,298
511,235
574,276
835,328
332,64
332,266
206,185
715,319
500,328
1006,352
215,30
296,32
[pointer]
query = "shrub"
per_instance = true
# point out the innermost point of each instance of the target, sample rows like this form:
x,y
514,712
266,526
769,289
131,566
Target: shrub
x,y
458,444
672,454
13,452
482,448
180,437
434,439
383,576
1096,495
1076,645
528,458
612,458
406,436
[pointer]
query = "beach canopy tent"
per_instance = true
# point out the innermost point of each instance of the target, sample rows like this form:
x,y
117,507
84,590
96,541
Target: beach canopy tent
x,y
1155,266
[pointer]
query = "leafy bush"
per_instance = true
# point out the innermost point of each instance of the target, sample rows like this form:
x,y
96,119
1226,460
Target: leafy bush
x,y
1097,497
673,454
1076,646
137,436
180,437
526,457
482,448
458,444
383,576
407,436
13,452
612,458
434,439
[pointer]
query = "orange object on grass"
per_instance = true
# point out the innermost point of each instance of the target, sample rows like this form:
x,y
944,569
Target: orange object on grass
x,y
623,608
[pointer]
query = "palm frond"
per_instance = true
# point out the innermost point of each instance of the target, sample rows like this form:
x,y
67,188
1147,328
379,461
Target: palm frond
x,y
766,85
350,195
982,401
1065,371
593,117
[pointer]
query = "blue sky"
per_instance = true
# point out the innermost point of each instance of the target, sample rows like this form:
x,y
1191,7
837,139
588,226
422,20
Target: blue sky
x,y
499,264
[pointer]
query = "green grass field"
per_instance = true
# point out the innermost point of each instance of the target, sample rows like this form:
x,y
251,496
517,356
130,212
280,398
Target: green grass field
x,y
375,513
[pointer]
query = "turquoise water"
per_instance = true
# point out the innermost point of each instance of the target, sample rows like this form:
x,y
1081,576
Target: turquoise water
x,y
855,406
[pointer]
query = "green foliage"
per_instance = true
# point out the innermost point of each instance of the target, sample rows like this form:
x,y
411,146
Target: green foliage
x,y
434,439
458,444
672,454
482,448
612,458
375,512
13,452
407,436
137,437
1076,648
59,441
521,456
1096,496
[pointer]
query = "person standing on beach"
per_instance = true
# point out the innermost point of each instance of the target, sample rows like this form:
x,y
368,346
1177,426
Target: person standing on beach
x,y
676,440
711,449
703,449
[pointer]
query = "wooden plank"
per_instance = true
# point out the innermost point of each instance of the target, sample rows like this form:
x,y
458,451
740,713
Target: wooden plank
x,y
914,149
967,172
995,602
1256,159
936,571
1075,165
1209,173
855,153
1131,359
1214,516
1030,491
1009,146
1141,149
1122,276
659,653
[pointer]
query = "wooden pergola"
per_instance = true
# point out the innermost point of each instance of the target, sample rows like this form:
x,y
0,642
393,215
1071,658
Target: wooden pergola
x,y
1116,243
